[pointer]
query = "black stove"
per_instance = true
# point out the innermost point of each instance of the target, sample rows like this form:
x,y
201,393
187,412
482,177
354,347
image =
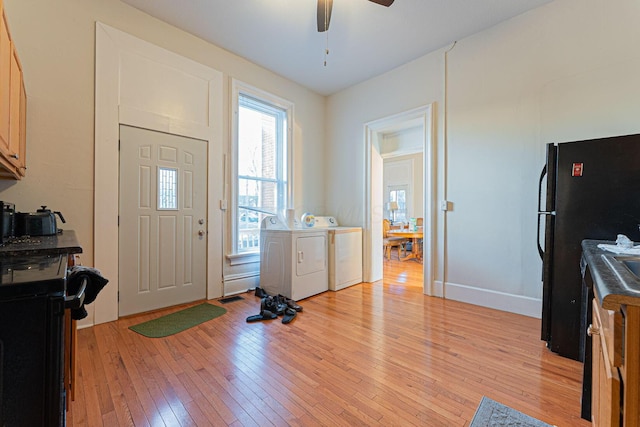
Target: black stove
x,y
30,270
32,303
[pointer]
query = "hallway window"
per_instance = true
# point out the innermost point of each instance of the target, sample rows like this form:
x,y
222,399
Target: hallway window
x,y
399,195
261,167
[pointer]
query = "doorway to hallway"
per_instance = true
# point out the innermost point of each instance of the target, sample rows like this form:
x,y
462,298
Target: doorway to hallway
x,y
405,134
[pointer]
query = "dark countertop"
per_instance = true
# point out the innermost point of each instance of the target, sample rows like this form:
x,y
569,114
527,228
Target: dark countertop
x,y
613,283
61,243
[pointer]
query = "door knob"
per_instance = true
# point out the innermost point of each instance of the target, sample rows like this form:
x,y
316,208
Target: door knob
x,y
200,233
592,330
201,221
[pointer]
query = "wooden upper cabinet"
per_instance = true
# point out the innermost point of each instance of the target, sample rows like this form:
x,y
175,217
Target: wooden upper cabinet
x,y
22,169
13,109
5,83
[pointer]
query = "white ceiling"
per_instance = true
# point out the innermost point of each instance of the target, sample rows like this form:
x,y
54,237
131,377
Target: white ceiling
x,y
364,39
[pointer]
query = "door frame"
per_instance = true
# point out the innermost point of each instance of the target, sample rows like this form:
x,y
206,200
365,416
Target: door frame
x,y
373,187
111,110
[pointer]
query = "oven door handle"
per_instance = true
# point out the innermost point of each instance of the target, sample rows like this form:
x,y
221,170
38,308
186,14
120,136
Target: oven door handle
x,y
76,301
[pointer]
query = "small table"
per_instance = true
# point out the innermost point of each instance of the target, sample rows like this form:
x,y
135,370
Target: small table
x,y
415,236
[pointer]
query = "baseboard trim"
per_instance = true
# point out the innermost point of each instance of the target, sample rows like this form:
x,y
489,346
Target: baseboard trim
x,y
527,306
240,284
437,289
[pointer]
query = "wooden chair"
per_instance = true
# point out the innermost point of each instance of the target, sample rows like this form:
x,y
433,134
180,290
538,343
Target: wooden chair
x,y
420,223
390,242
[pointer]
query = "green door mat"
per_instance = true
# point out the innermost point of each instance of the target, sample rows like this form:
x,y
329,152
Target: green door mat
x,y
178,321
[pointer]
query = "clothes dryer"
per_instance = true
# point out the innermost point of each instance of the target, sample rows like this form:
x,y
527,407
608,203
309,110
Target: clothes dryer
x,y
293,261
345,253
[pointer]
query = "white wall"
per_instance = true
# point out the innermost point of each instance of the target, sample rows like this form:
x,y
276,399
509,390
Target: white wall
x,y
56,45
405,141
565,71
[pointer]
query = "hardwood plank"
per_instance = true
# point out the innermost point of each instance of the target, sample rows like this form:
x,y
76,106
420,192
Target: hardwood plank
x,y
372,354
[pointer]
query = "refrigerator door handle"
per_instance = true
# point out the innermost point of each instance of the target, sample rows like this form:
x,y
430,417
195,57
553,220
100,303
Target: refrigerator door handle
x,y
542,175
540,211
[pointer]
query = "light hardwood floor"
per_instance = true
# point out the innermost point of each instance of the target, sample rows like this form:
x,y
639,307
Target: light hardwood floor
x,y
372,354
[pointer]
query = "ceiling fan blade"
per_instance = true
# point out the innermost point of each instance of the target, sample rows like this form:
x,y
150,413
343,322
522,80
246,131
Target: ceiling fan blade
x,y
324,14
383,2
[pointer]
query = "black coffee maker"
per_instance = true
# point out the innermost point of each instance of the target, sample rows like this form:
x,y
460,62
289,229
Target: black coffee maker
x,y
7,221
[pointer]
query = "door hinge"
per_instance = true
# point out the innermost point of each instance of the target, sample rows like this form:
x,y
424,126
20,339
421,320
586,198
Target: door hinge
x,y
118,220
118,296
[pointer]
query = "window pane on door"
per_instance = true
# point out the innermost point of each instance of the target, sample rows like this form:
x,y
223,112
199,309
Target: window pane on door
x,y
167,188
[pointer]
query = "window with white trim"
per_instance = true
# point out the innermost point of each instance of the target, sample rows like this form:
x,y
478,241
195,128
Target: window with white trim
x,y
398,194
262,169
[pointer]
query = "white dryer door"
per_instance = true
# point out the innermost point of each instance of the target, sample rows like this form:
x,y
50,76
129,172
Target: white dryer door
x,y
311,253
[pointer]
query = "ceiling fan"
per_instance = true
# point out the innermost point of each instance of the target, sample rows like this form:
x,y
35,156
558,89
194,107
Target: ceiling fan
x,y
324,12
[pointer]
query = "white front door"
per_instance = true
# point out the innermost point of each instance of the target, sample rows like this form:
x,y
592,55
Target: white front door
x,y
162,232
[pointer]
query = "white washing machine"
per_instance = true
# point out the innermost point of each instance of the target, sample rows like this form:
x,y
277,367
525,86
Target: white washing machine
x,y
293,261
345,253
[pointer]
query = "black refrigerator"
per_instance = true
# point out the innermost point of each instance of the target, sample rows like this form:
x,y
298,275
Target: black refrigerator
x,y
592,192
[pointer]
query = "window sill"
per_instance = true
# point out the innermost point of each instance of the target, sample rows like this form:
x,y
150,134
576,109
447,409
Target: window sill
x,y
246,258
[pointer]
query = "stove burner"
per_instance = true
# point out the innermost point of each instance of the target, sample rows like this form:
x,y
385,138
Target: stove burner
x,y
22,240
